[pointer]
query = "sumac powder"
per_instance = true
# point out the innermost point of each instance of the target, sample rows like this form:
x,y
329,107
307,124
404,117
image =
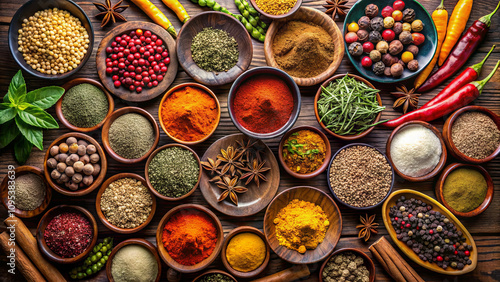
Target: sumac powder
x,y
68,234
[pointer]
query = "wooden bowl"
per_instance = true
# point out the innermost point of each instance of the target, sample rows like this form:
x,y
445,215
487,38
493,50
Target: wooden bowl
x,y
294,9
116,114
214,271
168,259
346,204
14,173
45,220
180,86
256,198
449,140
368,262
391,201
442,160
234,232
217,20
489,193
147,93
315,196
348,137
319,18
103,218
135,241
74,82
28,10
318,171
80,192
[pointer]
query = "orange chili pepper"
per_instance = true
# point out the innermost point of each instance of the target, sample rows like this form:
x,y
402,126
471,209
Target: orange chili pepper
x,y
156,15
178,9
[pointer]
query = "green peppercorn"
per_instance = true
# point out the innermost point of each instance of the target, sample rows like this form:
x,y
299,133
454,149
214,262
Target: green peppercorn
x,y
88,271
79,275
94,258
94,268
99,255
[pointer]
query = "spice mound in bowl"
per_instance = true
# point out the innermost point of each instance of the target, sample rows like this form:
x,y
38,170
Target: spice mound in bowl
x,y
30,191
214,50
68,234
84,105
304,151
246,252
134,262
346,264
275,8
131,135
217,276
465,189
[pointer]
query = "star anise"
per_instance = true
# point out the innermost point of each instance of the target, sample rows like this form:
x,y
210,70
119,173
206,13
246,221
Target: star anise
x,y
254,171
406,99
246,147
231,158
110,13
231,188
368,226
336,7
212,166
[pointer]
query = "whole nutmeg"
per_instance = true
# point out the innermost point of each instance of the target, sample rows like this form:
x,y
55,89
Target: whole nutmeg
x,y
97,169
362,35
397,70
82,142
389,59
375,56
387,72
91,149
54,150
55,174
371,10
61,157
406,27
82,150
61,167
417,25
374,36
51,163
382,47
388,22
413,65
63,148
72,186
364,22
73,148
88,169
397,28
405,37
94,158
69,171
78,166
73,158
395,47
77,178
378,68
377,24
87,180
71,140
85,159
413,49
355,49
408,15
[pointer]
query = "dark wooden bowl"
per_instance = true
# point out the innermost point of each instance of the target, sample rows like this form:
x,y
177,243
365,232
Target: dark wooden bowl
x,y
294,9
217,20
80,192
147,93
134,241
146,173
45,220
319,18
112,118
449,141
234,232
318,171
256,198
28,10
346,204
74,82
308,194
349,137
21,170
368,262
169,260
177,87
489,193
442,160
214,271
100,214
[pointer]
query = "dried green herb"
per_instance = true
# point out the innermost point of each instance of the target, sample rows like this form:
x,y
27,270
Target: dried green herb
x,y
131,136
84,105
214,50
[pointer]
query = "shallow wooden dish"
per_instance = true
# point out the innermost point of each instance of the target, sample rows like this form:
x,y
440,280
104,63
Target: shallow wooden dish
x,y
147,93
80,192
214,271
234,232
217,20
177,87
442,160
100,214
489,193
45,220
368,262
135,241
319,18
168,259
4,193
112,118
318,171
391,201
146,173
449,141
313,195
255,199
74,82
349,137
294,9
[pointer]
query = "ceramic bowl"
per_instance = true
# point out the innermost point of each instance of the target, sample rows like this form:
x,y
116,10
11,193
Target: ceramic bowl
x,y
368,262
28,10
426,49
294,9
214,271
268,71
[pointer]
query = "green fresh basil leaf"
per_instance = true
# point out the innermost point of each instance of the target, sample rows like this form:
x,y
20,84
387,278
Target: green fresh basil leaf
x,y
17,88
8,132
6,98
22,150
17,80
44,97
6,112
22,106
35,116
33,134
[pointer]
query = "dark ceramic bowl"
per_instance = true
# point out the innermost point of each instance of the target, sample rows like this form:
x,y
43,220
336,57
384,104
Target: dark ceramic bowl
x,y
426,49
28,10
368,262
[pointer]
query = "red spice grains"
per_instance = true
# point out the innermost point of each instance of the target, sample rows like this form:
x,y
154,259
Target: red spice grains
x,y
68,234
263,103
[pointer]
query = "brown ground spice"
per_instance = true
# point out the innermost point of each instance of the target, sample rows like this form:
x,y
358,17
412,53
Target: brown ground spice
x,y
303,49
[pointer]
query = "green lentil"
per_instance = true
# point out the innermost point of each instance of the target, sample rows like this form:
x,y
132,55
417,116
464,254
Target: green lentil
x,y
214,50
84,105
131,136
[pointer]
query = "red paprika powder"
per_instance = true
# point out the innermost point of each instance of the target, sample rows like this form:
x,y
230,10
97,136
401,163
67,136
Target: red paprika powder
x,y
263,103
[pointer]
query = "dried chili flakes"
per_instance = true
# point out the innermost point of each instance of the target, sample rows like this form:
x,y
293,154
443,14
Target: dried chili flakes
x,y
68,234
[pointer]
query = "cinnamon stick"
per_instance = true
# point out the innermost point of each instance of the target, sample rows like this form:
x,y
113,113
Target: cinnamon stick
x,y
29,245
20,260
290,274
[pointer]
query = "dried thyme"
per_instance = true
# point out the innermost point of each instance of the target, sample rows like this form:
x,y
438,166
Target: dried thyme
x,y
214,50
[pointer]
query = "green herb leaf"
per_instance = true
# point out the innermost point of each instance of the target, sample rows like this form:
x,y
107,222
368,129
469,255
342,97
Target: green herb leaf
x,y
9,132
6,113
17,88
32,134
6,98
35,116
295,134
44,97
22,150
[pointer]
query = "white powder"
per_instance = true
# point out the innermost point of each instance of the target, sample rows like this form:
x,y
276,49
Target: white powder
x,y
415,150
134,263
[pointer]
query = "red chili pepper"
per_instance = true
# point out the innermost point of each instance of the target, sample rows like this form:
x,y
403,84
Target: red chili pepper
x,y
459,99
465,47
468,75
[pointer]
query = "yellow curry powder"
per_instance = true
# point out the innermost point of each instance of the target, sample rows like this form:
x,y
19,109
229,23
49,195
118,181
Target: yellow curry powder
x,y
246,252
276,7
304,151
301,225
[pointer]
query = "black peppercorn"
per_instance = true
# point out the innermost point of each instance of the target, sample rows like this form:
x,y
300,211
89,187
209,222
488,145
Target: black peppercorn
x,y
371,10
362,35
377,23
378,69
364,22
408,15
374,37
355,49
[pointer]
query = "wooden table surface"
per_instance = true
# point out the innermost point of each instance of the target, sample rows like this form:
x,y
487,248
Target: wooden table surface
x,y
485,228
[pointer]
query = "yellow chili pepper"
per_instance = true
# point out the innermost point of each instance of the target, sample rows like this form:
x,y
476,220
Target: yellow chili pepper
x,y
456,26
156,15
440,18
178,9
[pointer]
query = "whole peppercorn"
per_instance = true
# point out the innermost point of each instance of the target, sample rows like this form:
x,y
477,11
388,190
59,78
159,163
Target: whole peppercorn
x,y
82,142
88,169
63,148
73,148
371,10
375,56
412,49
61,167
382,47
397,28
413,66
69,171
362,35
378,68
406,27
389,59
82,150
87,180
94,158
418,38
355,49
368,47
78,166
408,15
77,178
351,37
61,157
85,159
55,174
402,63
72,186
364,22
375,36
71,140
395,47
388,22
72,159
387,72
91,149
417,25
63,179
405,37
97,169
51,163
397,70
54,150
377,24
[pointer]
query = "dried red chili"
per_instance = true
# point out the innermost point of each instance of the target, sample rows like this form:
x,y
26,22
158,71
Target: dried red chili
x,y
68,234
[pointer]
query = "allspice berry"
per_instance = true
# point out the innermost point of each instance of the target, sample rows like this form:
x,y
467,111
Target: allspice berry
x,y
54,150
413,65
82,150
63,148
371,10
397,70
55,174
405,37
395,47
72,186
78,166
73,158
413,49
77,178
73,148
61,157
85,159
61,167
88,169
71,140
51,163
364,22
97,169
91,149
387,72
94,158
69,171
397,28
87,180
64,178
82,142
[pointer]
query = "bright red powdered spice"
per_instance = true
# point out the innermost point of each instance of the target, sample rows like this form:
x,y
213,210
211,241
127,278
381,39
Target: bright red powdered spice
x,y
68,234
263,103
